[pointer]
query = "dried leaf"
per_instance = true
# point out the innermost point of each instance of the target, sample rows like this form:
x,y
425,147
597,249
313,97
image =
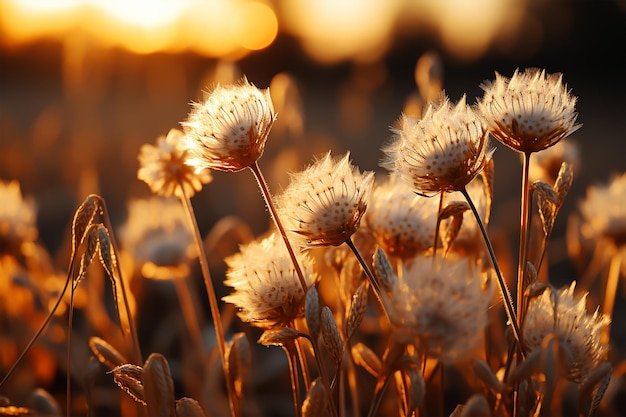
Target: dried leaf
x,y
106,353
279,337
547,202
239,361
454,210
129,378
487,175
365,357
83,218
356,311
330,335
564,181
158,387
188,407
316,403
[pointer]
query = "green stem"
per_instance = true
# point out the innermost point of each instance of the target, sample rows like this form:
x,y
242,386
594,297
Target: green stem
x,y
504,291
215,311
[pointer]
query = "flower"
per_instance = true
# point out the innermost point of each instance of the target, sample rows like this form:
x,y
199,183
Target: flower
x,y
603,213
530,111
323,204
157,235
442,151
442,304
163,167
267,290
402,222
227,132
564,315
17,218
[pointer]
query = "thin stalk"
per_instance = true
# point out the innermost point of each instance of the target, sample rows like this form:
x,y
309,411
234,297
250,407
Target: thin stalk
x,y
438,225
378,397
323,375
369,274
256,170
289,348
524,232
215,311
612,280
504,291
306,375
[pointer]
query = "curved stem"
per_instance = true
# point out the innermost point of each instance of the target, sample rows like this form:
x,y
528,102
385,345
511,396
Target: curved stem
x,y
612,280
289,348
256,170
504,291
523,244
215,311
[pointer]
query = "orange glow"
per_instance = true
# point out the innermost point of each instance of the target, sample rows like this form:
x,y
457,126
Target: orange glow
x,y
219,28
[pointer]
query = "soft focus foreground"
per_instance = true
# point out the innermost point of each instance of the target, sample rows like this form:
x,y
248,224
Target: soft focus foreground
x,y
241,229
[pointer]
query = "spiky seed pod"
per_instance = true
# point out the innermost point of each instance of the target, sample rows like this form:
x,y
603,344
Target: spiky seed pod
x,y
228,130
442,151
163,167
529,112
323,205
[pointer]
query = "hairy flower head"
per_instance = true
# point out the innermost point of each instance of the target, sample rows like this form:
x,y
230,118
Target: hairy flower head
x,y
163,167
323,204
442,151
227,132
157,236
267,290
402,222
565,316
17,218
530,111
604,218
442,305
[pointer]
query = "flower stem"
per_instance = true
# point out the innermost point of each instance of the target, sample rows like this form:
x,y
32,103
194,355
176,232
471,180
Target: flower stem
x,y
256,170
504,291
609,294
290,348
524,232
369,274
215,312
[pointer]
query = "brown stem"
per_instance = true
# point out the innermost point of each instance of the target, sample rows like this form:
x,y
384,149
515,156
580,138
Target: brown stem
x,y
612,280
524,231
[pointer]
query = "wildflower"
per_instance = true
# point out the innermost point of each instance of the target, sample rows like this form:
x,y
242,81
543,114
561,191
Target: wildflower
x,y
157,236
402,221
564,315
442,151
529,112
17,218
442,305
323,204
267,290
603,213
227,132
163,167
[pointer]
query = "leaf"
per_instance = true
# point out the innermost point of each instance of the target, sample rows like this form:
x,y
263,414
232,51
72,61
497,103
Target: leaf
x,y
158,387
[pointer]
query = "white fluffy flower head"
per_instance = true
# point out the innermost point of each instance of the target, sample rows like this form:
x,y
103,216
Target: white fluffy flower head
x,y
530,111
323,204
267,290
442,151
228,131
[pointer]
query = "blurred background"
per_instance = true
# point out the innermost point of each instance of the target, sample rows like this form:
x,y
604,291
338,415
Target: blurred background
x,y
83,84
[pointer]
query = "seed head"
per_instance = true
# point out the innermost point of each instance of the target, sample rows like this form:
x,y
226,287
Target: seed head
x,y
163,167
529,112
227,132
442,305
323,205
566,316
442,151
402,222
267,290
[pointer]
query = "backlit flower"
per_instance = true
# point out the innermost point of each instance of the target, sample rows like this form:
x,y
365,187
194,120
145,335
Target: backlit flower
x,y
17,218
157,235
442,151
565,316
604,216
402,222
163,167
530,111
227,132
442,305
267,290
323,204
